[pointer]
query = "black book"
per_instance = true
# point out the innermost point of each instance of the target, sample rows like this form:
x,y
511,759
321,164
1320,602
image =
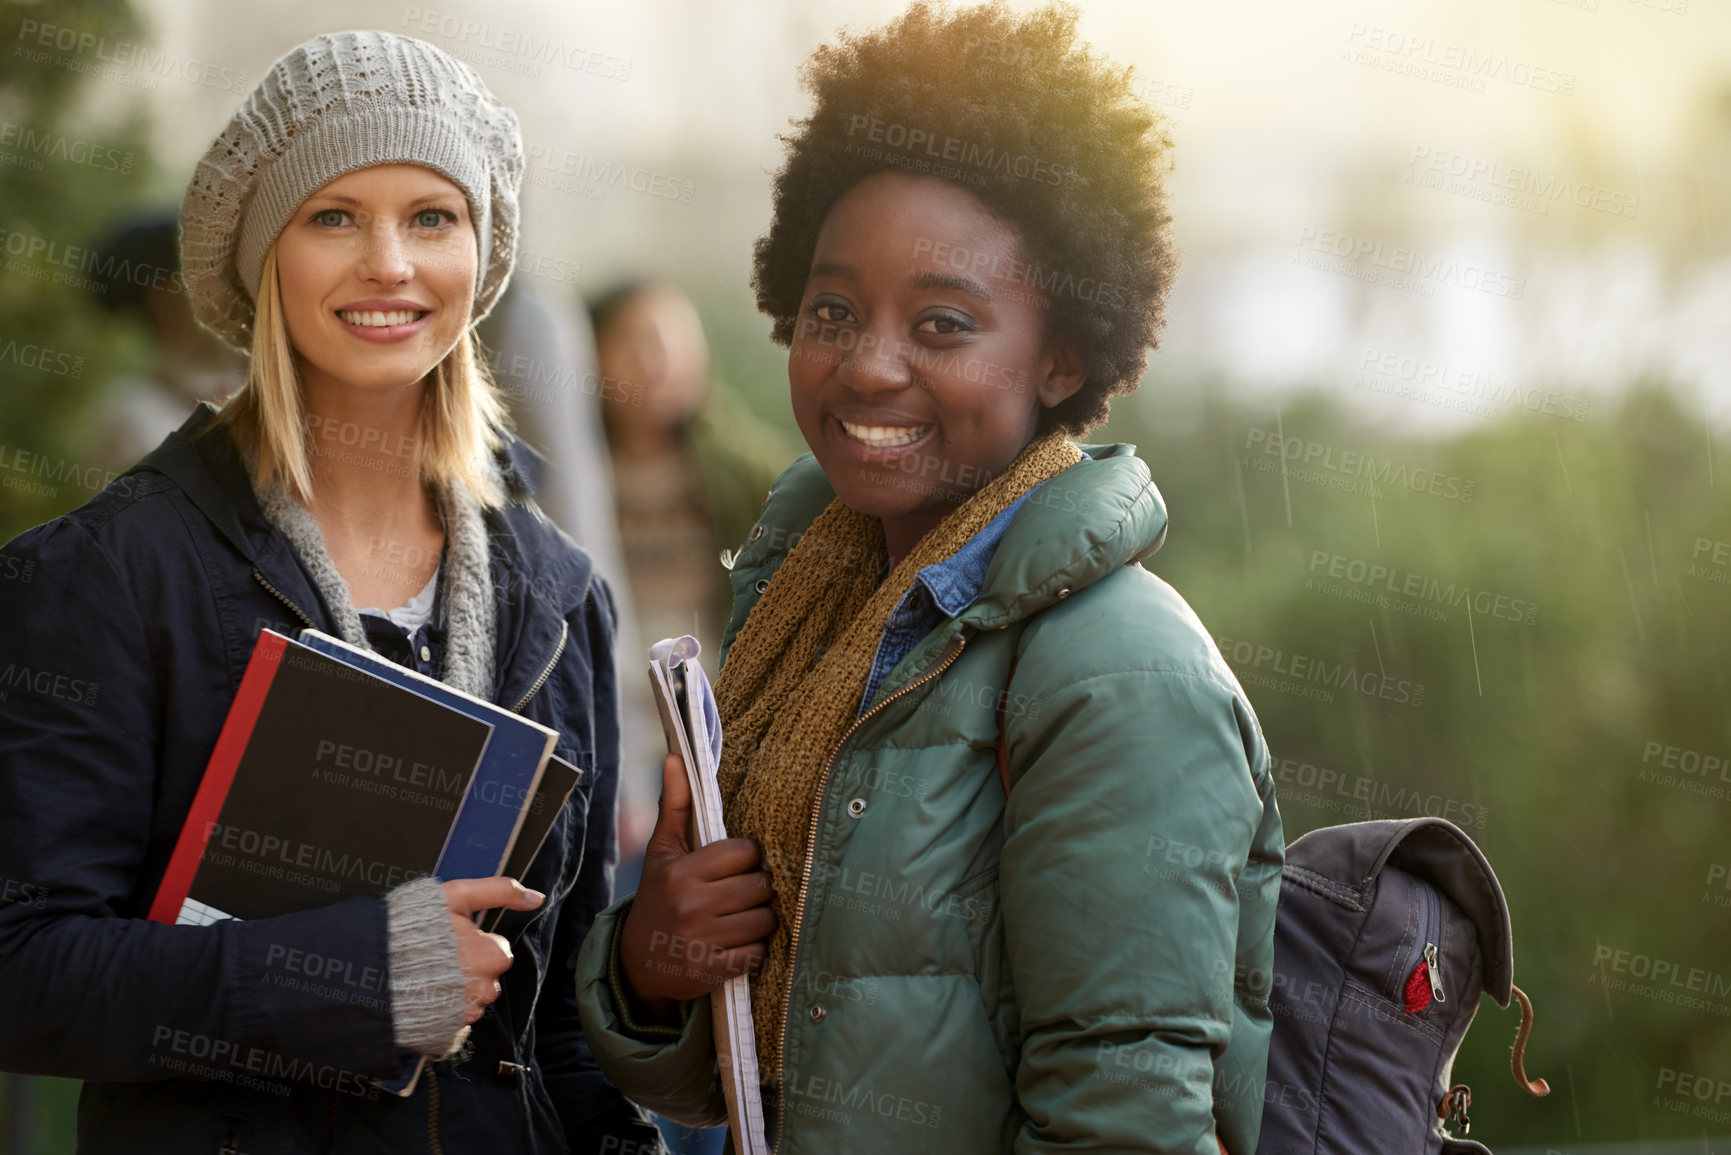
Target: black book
x,y
326,782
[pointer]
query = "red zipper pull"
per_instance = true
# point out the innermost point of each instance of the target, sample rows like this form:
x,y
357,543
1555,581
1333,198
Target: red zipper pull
x,y
1418,989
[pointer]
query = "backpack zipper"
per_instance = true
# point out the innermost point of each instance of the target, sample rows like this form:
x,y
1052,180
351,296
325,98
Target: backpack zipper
x,y
1424,948
951,653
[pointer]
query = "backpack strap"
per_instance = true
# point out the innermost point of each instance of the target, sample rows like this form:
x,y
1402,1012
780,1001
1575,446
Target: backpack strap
x,y
1518,1052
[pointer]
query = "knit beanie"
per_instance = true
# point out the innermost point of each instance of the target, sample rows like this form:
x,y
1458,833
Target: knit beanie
x,y
339,103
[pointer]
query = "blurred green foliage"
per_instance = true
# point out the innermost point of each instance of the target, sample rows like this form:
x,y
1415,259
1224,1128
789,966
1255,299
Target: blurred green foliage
x,y
51,205
1529,736
47,197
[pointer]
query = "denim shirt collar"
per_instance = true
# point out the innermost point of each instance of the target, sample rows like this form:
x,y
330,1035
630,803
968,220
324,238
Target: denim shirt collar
x,y
943,589
955,582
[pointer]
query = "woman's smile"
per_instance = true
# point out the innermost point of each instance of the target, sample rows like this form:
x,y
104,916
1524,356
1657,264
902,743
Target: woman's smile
x,y
382,321
875,440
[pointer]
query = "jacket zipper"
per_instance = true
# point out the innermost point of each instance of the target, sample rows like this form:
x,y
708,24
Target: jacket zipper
x,y
281,597
1430,929
951,653
547,672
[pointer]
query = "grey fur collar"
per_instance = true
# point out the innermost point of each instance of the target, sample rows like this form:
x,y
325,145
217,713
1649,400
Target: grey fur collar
x,y
471,624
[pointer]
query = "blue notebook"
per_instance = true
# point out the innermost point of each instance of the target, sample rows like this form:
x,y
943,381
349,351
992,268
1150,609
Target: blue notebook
x,y
491,815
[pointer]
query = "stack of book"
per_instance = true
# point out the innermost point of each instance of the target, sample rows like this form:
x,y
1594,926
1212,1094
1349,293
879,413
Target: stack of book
x,y
340,773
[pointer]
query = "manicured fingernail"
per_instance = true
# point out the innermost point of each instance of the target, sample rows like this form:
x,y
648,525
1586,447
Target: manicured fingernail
x,y
535,894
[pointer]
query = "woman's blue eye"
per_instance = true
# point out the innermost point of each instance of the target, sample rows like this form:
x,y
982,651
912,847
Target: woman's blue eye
x,y
432,218
330,218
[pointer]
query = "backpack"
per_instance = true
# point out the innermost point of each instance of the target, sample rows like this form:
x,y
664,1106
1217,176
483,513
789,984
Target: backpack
x,y
1386,934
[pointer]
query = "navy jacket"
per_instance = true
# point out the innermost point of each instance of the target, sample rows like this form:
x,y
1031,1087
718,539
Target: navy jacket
x,y
125,627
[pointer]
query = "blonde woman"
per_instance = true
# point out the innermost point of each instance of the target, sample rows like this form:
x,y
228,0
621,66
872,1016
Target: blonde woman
x,y
347,229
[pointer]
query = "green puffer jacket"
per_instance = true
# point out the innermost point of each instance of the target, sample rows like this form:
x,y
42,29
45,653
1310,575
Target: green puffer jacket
x,y
1082,967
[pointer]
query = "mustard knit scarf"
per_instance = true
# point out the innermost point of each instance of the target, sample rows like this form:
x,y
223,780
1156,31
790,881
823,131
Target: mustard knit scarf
x,y
794,678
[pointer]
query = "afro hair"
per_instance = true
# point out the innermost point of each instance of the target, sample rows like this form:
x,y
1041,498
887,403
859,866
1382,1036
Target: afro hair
x,y
1046,133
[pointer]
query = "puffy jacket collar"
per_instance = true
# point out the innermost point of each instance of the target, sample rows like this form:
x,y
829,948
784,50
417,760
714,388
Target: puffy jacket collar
x,y
538,578
1101,513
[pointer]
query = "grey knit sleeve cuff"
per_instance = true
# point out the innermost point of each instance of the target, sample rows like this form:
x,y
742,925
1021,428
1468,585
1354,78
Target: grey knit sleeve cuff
x,y
428,993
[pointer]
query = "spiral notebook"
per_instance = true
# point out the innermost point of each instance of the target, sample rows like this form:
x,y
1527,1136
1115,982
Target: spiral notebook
x,y
688,715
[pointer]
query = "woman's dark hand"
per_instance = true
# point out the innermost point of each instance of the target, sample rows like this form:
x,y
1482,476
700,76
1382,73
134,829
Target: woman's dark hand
x,y
700,916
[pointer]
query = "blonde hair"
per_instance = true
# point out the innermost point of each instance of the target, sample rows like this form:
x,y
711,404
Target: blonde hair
x,y
462,416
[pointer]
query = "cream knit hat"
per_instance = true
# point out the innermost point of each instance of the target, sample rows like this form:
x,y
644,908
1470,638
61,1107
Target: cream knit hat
x,y
336,104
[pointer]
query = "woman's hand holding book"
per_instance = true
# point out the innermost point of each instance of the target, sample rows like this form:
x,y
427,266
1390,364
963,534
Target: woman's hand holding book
x,y
484,957
700,917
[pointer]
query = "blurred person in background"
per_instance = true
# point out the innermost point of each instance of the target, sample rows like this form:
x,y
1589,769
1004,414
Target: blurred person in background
x,y
691,468
541,354
140,265
349,226
690,471
956,712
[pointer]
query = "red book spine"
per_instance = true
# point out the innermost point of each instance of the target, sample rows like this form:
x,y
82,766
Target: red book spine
x,y
219,774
